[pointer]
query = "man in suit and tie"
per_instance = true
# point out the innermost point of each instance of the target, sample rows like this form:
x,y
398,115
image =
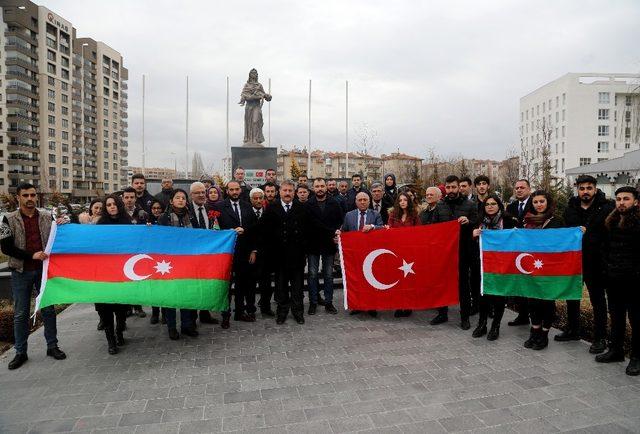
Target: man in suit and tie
x,y
361,219
380,202
284,230
519,208
261,273
238,215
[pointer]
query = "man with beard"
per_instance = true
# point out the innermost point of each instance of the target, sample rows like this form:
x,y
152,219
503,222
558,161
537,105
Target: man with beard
x,y
238,176
165,194
270,193
327,217
466,212
356,187
622,259
380,202
332,188
238,215
589,209
270,177
143,198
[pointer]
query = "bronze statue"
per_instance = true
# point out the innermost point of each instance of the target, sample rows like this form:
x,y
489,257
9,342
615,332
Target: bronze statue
x,y
252,98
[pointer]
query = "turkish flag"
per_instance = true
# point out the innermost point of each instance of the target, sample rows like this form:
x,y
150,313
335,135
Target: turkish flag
x,y
405,268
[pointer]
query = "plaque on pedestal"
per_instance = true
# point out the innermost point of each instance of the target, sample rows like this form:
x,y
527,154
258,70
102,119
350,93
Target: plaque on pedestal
x,y
255,161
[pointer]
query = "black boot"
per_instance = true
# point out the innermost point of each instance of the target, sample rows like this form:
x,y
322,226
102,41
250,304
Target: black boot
x,y
494,332
519,320
633,368
598,346
111,340
533,336
611,356
543,340
566,336
480,330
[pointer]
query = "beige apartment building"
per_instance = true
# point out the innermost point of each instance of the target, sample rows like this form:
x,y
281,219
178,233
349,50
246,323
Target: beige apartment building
x,y
151,173
63,106
334,164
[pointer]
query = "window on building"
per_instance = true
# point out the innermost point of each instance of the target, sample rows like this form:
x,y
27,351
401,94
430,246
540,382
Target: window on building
x,y
563,131
51,55
603,130
65,160
64,73
51,81
557,117
51,106
556,132
65,123
105,143
51,68
563,115
64,86
52,145
105,123
557,101
65,184
585,161
544,107
52,132
64,97
603,97
627,100
627,133
65,135
115,166
65,110
603,147
627,116
564,98
603,114
105,112
563,148
106,154
602,159
51,120
51,93
627,146
52,158
563,164
538,110
65,172
106,165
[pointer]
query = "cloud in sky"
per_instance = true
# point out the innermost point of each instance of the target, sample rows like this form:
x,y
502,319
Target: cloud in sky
x,y
445,74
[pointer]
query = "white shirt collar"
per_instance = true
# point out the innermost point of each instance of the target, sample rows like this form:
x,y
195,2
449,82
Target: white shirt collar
x,y
284,205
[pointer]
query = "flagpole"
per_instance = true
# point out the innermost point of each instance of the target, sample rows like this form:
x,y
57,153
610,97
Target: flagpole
x,y
186,135
309,142
227,127
143,150
346,127
269,118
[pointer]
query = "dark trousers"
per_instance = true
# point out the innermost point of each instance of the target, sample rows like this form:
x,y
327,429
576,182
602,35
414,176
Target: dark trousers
x,y
464,290
624,298
494,302
595,286
521,305
187,318
265,279
244,289
474,274
289,292
542,312
108,310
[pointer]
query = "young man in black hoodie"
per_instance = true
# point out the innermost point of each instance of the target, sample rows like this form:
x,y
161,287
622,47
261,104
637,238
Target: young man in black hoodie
x,y
144,199
622,259
588,210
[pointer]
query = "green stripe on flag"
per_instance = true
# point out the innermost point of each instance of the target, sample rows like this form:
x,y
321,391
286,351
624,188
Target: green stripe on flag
x,y
542,287
180,293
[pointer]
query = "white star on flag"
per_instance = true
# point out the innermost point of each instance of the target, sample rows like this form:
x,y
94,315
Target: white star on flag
x,y
163,267
538,264
407,268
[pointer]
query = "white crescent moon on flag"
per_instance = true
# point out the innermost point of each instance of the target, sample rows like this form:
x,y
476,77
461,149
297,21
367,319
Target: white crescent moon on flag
x,y
367,269
131,262
519,259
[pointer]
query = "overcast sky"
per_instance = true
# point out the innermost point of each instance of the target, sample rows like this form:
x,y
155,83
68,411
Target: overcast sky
x,y
422,74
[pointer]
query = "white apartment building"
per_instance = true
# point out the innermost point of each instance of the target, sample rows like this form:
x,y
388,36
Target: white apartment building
x,y
63,106
583,118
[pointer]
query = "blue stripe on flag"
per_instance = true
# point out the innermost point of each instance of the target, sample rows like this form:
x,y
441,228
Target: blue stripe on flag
x,y
532,240
124,239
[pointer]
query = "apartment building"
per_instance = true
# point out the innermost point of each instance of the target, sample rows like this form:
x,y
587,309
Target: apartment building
x,y
63,106
581,118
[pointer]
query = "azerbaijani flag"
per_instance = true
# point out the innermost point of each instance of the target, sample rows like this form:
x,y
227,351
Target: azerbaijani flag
x,y
136,264
535,263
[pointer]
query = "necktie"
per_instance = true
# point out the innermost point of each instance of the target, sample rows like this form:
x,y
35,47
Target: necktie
x,y
361,222
287,207
378,206
258,213
201,218
520,209
237,211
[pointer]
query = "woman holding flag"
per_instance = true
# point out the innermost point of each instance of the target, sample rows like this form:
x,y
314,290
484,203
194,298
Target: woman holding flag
x,y
178,215
542,311
113,213
403,214
492,217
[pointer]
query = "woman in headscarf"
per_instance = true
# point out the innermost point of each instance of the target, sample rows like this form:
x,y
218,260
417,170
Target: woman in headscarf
x,y
214,196
390,188
492,216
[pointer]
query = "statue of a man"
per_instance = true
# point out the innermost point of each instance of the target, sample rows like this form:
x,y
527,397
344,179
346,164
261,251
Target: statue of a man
x,y
252,98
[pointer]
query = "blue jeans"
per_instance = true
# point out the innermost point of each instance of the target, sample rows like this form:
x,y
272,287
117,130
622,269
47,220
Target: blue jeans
x,y
327,274
22,285
187,317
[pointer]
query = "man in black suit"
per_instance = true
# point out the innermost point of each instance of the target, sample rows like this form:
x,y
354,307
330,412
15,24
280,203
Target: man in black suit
x,y
380,202
519,208
238,215
284,231
356,187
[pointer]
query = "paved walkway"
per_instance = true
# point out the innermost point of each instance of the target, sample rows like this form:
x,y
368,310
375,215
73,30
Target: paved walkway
x,y
334,374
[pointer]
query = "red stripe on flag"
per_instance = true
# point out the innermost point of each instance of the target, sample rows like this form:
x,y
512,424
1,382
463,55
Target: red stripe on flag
x,y
533,264
125,268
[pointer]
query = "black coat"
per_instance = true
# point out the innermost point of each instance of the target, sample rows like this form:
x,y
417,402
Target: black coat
x,y
164,197
593,219
229,220
512,209
622,247
284,236
145,201
441,213
324,224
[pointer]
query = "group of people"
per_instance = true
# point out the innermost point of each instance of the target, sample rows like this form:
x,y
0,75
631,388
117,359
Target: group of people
x,y
287,227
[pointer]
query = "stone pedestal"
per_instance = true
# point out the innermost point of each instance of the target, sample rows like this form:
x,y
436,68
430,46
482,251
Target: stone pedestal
x,y
255,161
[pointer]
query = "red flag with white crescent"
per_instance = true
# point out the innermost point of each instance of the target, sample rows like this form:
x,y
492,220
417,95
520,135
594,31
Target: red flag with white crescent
x,y
405,268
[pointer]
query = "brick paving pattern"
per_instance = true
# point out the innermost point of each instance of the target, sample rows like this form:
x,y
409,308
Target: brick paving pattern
x,y
336,373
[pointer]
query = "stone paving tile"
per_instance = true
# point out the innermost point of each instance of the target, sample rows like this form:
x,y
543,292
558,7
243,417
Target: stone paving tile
x,y
337,373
